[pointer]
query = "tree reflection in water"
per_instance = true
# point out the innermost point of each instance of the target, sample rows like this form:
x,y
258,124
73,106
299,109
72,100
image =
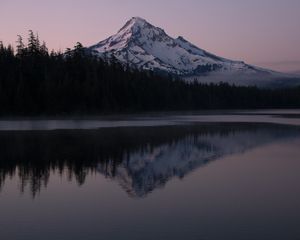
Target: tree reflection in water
x,y
140,159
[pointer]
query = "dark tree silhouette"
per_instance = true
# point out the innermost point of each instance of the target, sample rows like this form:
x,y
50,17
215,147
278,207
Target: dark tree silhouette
x,y
34,82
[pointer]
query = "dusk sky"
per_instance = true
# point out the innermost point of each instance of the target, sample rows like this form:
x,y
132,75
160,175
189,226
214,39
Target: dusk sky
x,y
260,32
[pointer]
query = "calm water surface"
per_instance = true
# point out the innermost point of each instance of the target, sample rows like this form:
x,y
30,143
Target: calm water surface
x,y
209,176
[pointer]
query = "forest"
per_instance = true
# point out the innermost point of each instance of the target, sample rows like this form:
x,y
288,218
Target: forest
x,y
36,82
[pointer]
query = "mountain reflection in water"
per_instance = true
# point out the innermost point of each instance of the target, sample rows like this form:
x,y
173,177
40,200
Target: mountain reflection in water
x,y
140,159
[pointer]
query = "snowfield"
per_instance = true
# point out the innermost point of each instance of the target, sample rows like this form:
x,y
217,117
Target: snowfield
x,y
140,45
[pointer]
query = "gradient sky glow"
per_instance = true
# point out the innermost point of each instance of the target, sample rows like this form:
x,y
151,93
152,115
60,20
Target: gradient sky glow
x,y
260,32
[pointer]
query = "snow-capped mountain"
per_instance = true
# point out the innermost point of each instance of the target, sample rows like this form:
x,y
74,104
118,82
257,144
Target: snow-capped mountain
x,y
140,45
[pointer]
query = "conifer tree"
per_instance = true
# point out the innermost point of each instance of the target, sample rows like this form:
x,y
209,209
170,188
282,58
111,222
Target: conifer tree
x,y
20,46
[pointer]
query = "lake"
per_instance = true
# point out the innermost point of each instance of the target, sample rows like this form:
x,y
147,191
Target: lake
x,y
199,175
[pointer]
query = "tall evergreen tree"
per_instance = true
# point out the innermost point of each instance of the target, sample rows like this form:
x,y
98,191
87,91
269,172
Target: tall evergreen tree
x,y
20,46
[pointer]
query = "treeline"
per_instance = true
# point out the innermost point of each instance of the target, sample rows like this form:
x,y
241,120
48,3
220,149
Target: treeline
x,y
34,81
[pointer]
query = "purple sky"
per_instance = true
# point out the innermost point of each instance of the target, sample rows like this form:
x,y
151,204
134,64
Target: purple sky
x,y
260,32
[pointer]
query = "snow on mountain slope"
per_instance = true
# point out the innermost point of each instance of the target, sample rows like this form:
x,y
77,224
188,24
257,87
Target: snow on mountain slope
x,y
141,45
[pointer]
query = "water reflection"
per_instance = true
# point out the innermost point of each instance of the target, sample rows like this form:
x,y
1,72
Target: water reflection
x,y
140,159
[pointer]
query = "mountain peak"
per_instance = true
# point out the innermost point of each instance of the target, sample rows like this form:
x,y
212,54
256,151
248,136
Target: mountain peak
x,y
133,24
141,45
138,19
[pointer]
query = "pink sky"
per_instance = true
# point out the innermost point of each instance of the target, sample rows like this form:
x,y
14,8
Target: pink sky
x,y
260,32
